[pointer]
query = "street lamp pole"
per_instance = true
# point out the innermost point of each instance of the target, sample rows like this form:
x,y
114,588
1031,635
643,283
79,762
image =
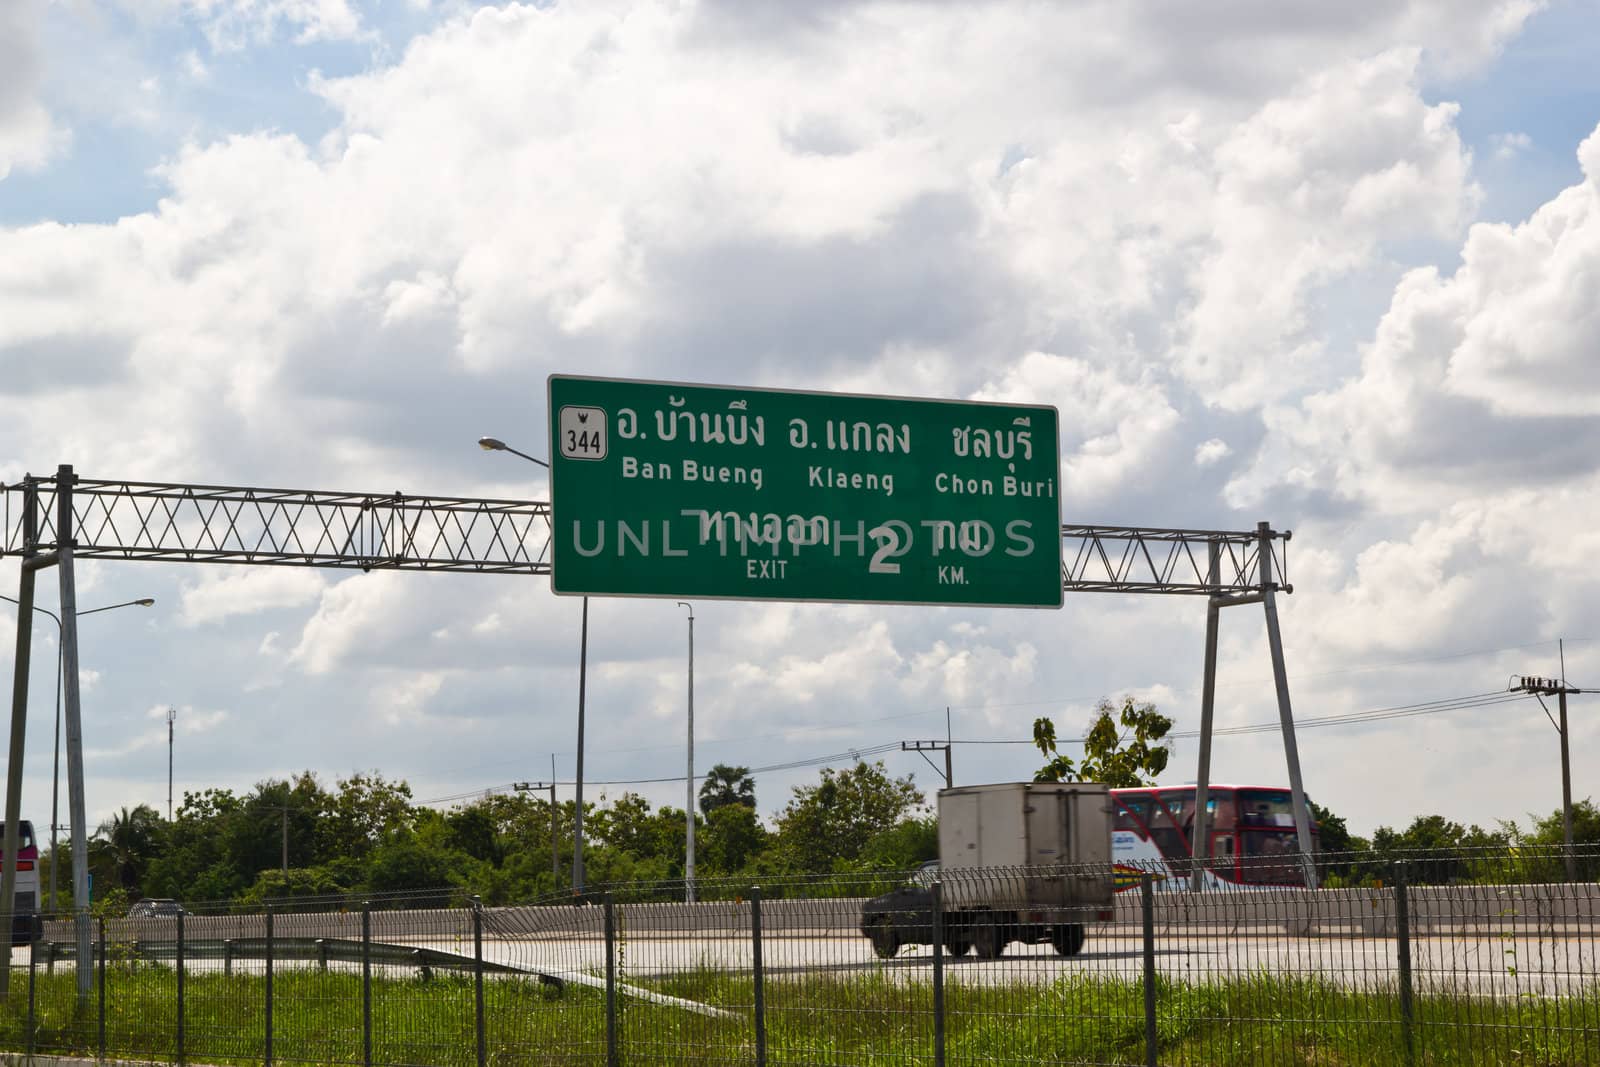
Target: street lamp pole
x,y
494,444
172,717
55,773
688,807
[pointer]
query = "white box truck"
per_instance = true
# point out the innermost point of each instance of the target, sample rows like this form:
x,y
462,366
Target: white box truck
x,y
1018,861
1025,861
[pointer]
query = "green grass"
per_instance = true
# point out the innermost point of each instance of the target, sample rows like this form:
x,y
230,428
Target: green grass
x,y
874,1018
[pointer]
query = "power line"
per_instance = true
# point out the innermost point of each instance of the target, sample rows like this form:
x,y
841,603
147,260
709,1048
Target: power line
x,y
1261,728
1358,669
782,735
852,754
1398,711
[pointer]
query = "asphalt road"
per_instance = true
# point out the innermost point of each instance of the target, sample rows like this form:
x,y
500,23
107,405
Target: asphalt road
x,y
1489,966
1503,967
1485,965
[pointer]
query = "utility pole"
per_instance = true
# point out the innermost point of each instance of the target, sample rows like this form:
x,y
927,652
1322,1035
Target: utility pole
x,y
284,811
172,715
1541,688
922,748
523,787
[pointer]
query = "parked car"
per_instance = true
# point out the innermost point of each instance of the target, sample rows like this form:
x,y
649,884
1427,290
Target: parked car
x,y
904,916
156,908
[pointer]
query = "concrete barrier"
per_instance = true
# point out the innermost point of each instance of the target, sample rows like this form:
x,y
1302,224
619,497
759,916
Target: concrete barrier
x,y
1554,909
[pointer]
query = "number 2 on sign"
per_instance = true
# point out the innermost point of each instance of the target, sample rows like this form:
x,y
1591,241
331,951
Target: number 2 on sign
x,y
889,546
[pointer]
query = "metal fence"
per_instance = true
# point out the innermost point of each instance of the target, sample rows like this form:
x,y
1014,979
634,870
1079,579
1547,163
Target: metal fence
x,y
1459,958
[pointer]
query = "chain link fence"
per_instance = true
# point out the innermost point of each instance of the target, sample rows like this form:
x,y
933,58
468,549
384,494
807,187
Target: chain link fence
x,y
1435,958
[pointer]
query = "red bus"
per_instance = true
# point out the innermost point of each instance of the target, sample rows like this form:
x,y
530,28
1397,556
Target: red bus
x,y
1251,829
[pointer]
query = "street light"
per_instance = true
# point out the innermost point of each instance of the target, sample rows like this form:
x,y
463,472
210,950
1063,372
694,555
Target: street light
x,y
55,775
688,808
494,444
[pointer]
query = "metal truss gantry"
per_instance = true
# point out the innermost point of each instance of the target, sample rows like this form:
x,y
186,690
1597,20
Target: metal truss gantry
x,y
53,520
277,527
395,531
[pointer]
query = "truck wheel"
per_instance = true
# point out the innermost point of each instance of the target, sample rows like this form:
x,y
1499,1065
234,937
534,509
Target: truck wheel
x,y
957,947
988,939
1068,939
885,943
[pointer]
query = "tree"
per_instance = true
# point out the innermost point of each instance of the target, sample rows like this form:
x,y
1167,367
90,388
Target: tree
x,y
197,862
826,826
1548,832
629,826
1440,850
409,872
726,785
733,836
472,830
134,838
1541,848
522,841
274,885
364,809
1435,833
903,846
1123,748
1339,868
1332,833
254,834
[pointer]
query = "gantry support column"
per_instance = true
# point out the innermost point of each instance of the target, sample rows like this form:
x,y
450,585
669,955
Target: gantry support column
x,y
1280,678
74,720
19,729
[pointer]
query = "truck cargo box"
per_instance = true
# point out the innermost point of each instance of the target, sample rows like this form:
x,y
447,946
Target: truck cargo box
x,y
998,843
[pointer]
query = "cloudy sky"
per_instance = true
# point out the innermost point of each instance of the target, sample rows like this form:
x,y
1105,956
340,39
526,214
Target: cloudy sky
x,y
1334,266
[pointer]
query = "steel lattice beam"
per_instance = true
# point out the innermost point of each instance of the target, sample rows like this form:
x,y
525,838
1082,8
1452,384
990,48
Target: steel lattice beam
x,y
394,531
1142,559
282,527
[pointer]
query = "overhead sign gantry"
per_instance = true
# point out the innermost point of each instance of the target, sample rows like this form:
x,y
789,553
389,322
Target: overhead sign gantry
x,y
49,521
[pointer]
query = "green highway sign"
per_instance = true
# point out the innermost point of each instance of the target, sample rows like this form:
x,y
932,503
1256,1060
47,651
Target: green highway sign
x,y
674,490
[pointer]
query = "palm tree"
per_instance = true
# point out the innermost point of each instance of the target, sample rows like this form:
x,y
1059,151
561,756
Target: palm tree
x,y
727,785
133,837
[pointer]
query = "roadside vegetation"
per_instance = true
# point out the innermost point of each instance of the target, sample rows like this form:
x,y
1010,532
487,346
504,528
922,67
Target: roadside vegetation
x,y
868,1018
366,835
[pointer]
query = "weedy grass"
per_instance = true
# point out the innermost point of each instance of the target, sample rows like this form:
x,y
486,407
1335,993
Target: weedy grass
x,y
876,1018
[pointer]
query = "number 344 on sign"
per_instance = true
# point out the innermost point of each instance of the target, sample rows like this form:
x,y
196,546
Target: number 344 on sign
x,y
583,432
